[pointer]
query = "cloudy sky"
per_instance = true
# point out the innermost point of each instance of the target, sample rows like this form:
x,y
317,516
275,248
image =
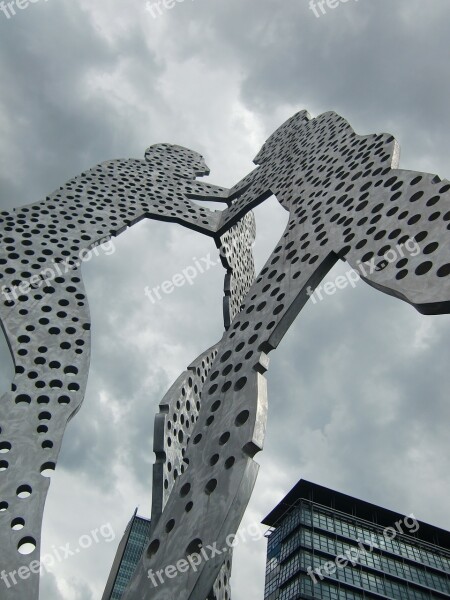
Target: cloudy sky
x,y
358,390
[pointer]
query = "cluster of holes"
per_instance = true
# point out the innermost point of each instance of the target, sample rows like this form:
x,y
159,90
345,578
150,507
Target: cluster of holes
x,y
26,544
183,414
210,487
236,248
53,234
342,185
221,589
341,180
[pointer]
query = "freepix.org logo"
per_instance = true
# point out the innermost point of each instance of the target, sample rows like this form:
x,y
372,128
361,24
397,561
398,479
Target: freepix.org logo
x,y
9,8
352,276
104,533
198,554
156,9
321,7
47,275
356,554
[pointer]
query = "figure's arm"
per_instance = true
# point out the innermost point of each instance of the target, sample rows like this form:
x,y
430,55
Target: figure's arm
x,y
407,255
200,190
253,189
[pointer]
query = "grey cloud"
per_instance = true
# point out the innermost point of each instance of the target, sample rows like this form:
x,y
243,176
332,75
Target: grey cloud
x,y
358,388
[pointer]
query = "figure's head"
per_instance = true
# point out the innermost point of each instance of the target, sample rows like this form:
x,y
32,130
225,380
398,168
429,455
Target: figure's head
x,y
283,136
181,161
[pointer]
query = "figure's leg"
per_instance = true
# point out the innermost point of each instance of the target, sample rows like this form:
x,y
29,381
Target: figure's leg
x,y
181,406
47,326
208,501
50,342
178,413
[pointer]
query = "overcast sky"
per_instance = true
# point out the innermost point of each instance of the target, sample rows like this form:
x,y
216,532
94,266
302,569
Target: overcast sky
x,y
358,390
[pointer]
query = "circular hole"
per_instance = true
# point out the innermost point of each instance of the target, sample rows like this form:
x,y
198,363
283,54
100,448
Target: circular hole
x,y
170,525
194,547
416,196
215,406
185,490
23,399
47,444
240,383
225,356
421,236
210,486
189,506
3,465
242,418
27,545
402,274
5,447
197,439
3,506
278,309
431,248
230,462
444,270
214,460
153,548
224,438
71,370
17,524
48,469
24,491
424,268
64,400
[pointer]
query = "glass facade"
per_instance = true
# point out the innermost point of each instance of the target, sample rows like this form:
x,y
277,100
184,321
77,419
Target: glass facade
x,y
315,551
138,533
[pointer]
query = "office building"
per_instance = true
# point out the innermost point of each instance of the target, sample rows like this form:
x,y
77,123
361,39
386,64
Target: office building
x,y
325,544
129,552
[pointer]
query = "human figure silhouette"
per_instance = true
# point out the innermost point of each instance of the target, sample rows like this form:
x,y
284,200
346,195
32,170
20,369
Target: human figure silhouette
x,y
347,200
45,315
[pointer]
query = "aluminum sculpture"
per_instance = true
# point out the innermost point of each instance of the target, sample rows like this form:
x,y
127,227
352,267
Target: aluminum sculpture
x,y
346,200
